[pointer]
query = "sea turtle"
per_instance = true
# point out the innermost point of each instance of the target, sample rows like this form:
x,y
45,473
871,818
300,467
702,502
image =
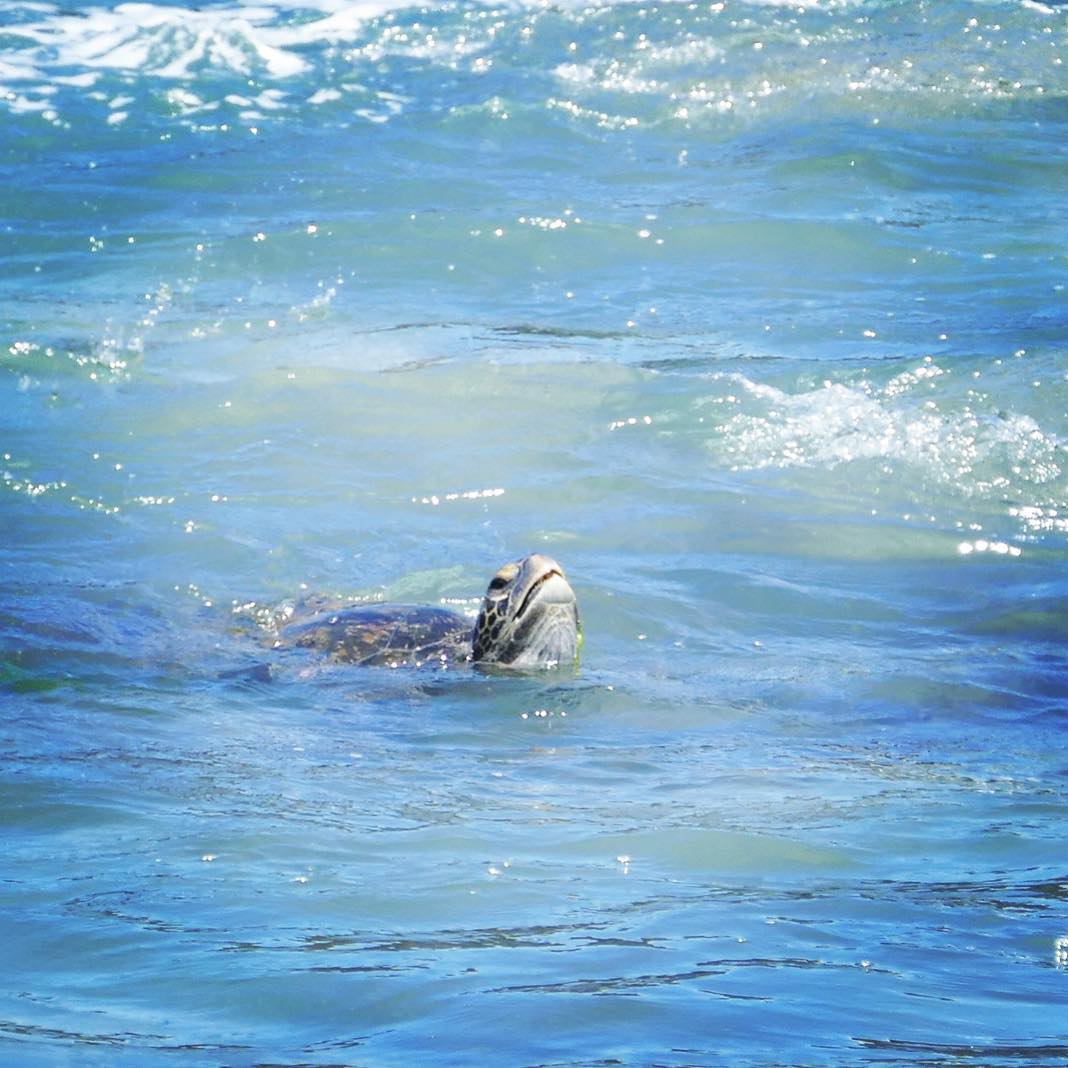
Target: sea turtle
x,y
528,619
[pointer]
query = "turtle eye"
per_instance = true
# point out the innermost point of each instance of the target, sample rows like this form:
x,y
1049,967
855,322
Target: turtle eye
x,y
503,577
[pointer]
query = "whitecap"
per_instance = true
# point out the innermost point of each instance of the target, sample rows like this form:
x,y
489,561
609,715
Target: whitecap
x,y
939,439
16,72
167,42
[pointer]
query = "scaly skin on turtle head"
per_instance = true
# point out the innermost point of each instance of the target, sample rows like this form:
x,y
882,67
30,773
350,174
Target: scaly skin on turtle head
x,y
529,617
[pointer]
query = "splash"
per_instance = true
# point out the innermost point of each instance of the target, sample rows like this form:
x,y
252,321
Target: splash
x,y
924,431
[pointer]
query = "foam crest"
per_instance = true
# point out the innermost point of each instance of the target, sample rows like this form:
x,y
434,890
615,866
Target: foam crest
x,y
624,67
923,432
164,41
201,60
174,42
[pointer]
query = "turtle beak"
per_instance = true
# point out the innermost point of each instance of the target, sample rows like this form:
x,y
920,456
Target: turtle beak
x,y
543,580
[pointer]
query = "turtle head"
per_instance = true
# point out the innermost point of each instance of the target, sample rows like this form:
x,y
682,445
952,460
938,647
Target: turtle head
x,y
529,617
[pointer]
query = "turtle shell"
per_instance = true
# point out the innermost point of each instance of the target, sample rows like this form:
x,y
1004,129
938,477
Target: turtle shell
x,y
385,635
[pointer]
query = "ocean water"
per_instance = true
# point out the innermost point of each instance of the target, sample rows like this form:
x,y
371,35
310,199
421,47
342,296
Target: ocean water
x,y
752,315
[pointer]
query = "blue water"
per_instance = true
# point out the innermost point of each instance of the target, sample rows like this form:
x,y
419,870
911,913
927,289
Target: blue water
x,y
752,315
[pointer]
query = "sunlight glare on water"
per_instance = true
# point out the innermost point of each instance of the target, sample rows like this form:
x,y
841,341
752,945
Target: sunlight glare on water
x,y
751,315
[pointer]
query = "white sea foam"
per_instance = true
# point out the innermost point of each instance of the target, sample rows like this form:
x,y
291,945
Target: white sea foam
x,y
946,440
176,46
164,41
13,71
172,42
20,103
717,69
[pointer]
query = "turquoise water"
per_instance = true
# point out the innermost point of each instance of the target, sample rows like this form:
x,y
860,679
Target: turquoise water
x,y
752,315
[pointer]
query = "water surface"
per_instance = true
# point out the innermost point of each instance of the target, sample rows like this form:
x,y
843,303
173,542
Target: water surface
x,y
752,315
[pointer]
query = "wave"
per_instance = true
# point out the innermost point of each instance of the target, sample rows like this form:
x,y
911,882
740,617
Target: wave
x,y
837,423
923,437
169,42
673,64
